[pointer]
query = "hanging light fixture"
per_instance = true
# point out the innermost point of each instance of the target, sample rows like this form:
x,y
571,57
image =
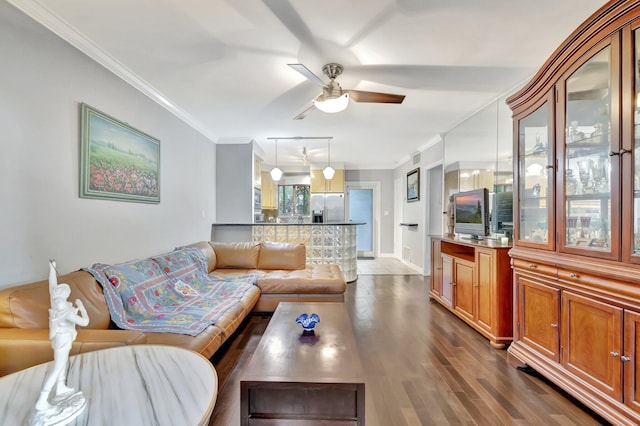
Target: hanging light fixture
x,y
328,171
332,103
276,173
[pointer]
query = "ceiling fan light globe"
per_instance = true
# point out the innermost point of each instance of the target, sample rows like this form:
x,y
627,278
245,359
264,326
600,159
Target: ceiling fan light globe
x,y
332,104
328,172
276,174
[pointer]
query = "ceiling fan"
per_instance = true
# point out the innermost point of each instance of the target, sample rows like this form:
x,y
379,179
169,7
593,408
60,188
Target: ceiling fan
x,y
333,98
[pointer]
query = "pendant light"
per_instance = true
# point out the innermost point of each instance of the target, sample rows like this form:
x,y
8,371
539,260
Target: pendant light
x,y
276,173
328,171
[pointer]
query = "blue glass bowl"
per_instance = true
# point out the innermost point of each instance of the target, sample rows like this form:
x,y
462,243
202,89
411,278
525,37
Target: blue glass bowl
x,y
308,322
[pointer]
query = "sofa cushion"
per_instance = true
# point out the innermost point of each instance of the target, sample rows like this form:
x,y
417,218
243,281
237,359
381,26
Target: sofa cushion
x,y
239,255
281,256
27,305
313,279
205,251
183,264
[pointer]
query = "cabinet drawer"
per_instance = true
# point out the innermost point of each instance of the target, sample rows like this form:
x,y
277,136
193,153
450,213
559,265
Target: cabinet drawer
x,y
572,276
535,267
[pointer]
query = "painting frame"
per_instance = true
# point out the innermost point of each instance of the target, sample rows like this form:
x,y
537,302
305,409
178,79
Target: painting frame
x,y
413,185
117,161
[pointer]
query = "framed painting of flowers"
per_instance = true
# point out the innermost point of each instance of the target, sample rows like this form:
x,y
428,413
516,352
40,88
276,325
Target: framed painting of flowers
x,y
117,162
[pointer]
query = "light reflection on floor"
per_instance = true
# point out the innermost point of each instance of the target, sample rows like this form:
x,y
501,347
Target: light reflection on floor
x,y
384,266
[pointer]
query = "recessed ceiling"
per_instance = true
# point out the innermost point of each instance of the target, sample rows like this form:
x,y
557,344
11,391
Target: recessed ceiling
x,y
223,64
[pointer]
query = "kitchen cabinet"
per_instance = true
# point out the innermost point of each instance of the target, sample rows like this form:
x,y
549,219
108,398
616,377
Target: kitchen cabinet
x,y
473,280
576,254
269,192
321,185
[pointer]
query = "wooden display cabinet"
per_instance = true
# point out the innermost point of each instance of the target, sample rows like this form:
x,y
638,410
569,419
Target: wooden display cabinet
x,y
473,281
576,254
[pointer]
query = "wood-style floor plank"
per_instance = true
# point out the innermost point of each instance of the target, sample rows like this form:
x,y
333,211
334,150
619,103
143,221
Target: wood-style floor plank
x,y
423,365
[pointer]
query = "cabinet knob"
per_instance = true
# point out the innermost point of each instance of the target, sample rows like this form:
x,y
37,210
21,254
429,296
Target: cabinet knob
x,y
532,266
614,354
625,358
573,275
554,325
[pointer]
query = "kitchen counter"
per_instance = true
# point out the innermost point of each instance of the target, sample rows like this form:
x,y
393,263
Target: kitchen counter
x,y
333,243
290,223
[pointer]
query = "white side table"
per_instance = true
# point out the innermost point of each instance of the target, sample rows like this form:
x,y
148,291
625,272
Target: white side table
x,y
129,385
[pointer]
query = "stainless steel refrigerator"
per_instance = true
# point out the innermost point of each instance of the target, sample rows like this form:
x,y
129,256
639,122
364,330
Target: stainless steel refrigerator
x,y
331,206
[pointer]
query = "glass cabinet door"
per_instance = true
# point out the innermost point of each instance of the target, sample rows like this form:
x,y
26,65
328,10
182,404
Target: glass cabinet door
x,y
535,178
587,160
634,159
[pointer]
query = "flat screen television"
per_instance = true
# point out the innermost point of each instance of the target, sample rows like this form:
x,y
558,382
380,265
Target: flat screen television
x,y
471,213
502,213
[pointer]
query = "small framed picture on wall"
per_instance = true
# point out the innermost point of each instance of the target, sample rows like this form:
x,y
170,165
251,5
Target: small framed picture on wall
x,y
413,185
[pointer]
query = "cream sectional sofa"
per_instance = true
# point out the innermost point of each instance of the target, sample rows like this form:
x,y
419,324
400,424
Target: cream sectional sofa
x,y
282,275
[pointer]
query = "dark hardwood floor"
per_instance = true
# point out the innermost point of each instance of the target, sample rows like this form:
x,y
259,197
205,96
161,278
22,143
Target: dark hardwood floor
x,y
423,365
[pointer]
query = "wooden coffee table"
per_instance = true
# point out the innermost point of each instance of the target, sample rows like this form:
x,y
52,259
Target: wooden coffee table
x,y
296,379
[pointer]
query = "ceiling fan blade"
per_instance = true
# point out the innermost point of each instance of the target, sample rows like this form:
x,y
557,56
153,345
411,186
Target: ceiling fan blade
x,y
308,74
375,97
304,113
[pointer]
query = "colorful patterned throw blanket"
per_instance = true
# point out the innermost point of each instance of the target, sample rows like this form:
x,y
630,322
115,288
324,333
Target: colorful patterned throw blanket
x,y
169,293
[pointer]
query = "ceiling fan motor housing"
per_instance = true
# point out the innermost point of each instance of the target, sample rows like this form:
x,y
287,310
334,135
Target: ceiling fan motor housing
x,y
332,70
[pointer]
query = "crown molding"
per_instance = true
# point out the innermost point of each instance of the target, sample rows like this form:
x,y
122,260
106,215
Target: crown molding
x,y
37,11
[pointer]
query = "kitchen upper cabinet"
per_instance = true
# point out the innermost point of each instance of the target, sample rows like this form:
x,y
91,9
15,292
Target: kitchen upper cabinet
x,y
321,185
269,192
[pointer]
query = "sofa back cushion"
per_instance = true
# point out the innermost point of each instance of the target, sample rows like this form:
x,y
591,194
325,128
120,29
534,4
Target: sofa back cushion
x,y
237,255
27,305
287,256
208,253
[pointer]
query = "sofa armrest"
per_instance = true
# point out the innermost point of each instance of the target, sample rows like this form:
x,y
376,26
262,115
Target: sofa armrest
x,y
22,348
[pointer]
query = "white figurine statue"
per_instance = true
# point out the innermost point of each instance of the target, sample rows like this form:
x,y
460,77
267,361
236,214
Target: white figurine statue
x,y
59,404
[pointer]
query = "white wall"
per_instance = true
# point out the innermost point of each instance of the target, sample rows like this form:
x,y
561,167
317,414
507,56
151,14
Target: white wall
x,y
234,182
42,82
413,240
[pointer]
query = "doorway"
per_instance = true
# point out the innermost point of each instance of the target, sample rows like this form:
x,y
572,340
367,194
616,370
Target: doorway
x,y
362,199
